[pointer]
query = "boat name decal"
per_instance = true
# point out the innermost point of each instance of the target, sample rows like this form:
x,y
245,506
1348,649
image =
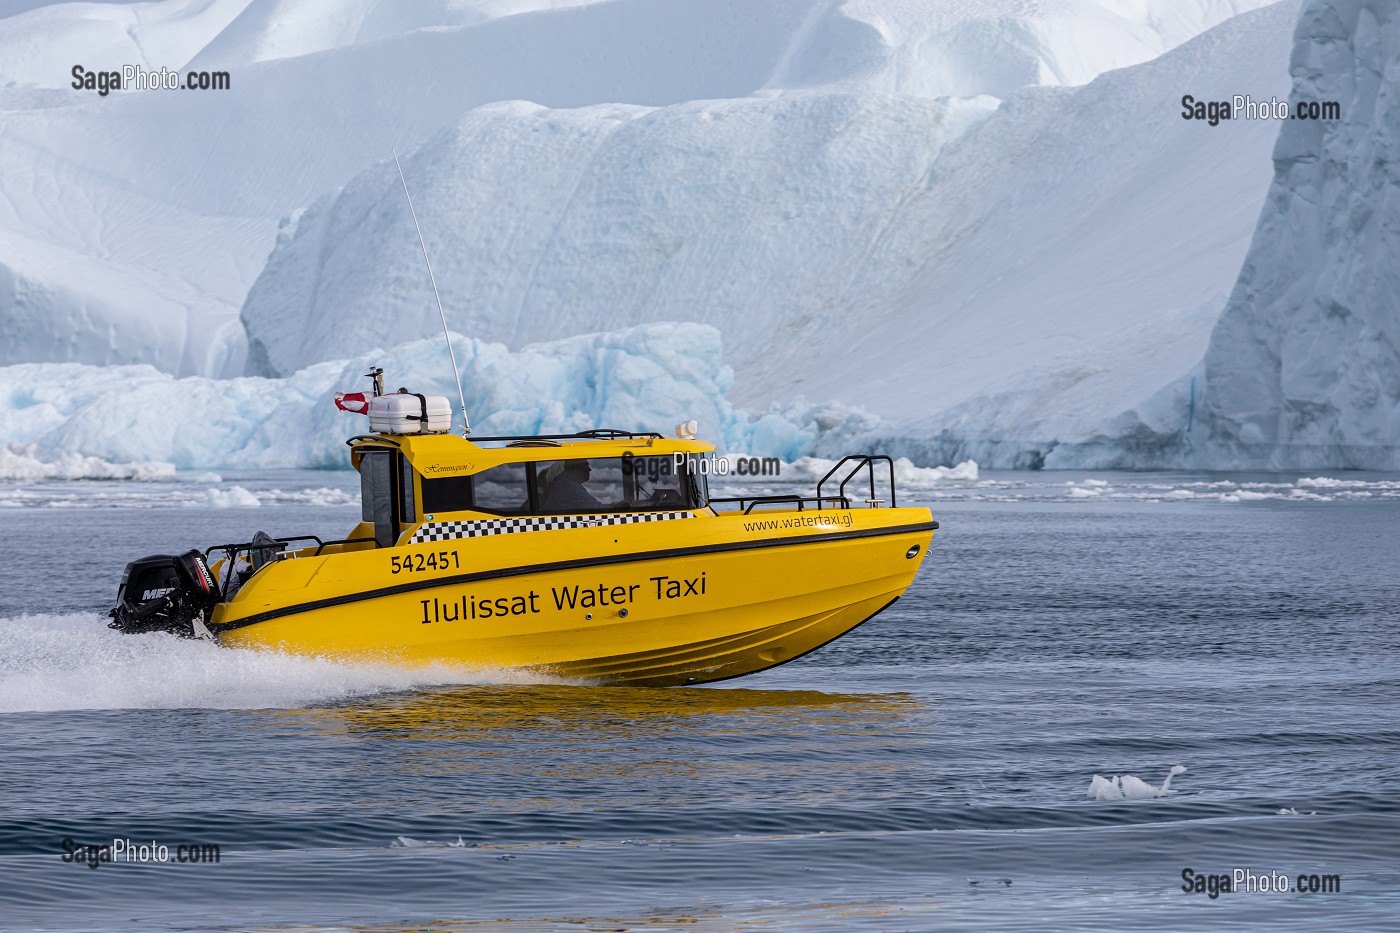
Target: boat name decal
x,y
449,468
446,531
602,595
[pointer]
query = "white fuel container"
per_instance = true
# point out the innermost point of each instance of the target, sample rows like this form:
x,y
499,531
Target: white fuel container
x,y
410,413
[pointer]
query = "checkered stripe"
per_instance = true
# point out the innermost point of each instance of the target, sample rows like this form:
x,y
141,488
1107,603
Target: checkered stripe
x,y
444,531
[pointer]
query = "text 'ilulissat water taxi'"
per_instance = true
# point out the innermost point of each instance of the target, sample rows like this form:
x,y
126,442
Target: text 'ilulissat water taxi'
x,y
598,555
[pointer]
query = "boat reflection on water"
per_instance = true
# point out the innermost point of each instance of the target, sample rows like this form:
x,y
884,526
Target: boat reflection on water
x,y
809,914
522,712
513,749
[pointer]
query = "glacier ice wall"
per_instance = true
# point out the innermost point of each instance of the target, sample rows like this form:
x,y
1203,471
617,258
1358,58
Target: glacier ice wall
x,y
646,378
1303,368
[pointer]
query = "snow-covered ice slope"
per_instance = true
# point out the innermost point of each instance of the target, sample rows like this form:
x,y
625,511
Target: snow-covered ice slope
x,y
747,215
993,293
132,225
167,202
965,48
1304,365
42,42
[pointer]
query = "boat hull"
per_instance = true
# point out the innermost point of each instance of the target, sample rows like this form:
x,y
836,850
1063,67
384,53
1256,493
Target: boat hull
x,y
626,607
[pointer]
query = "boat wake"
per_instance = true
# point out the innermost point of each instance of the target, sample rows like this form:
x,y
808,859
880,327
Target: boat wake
x,y
73,661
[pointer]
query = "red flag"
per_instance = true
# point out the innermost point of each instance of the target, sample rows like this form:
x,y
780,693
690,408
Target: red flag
x,y
352,401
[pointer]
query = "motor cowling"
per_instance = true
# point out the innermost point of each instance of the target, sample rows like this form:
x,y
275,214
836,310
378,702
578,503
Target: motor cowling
x,y
165,593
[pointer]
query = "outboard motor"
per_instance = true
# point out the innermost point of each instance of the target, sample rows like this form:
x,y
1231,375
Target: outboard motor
x,y
162,593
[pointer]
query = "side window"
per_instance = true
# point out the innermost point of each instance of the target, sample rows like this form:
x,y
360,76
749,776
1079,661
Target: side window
x,y
406,511
655,483
504,490
580,486
447,494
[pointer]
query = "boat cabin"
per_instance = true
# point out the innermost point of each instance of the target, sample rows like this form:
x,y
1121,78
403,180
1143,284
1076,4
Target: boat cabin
x,y
425,487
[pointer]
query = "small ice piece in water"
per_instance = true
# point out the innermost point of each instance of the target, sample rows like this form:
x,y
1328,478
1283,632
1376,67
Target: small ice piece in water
x,y
235,497
1130,787
1100,788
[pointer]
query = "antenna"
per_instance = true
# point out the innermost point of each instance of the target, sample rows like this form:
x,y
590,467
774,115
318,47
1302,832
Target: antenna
x,y
466,428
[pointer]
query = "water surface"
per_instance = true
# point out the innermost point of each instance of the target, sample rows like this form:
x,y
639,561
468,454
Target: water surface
x,y
928,771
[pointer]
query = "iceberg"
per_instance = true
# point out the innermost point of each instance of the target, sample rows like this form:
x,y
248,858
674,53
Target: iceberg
x,y
1006,281
967,231
74,420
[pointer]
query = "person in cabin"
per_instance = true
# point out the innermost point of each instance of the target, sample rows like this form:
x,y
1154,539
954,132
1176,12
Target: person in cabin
x,y
563,487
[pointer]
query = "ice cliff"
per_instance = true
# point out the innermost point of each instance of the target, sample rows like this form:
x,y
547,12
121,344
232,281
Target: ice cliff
x,y
1304,365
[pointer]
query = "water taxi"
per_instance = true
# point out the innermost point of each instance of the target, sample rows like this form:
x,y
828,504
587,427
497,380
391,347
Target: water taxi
x,y
599,556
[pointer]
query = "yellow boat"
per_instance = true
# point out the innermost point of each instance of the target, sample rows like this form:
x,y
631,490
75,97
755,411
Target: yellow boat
x,y
599,555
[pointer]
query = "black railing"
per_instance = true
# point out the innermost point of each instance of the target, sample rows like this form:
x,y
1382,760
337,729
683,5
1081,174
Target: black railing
x,y
597,434
275,548
866,461
824,500
748,503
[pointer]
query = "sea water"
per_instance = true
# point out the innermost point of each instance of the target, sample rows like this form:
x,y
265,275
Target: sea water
x,y
931,770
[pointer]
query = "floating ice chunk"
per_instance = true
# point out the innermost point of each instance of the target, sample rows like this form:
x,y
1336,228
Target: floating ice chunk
x,y
235,497
1101,788
1323,482
905,472
1130,787
322,496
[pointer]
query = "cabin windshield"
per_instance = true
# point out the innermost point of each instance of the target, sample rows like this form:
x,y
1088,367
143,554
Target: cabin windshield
x,y
571,486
